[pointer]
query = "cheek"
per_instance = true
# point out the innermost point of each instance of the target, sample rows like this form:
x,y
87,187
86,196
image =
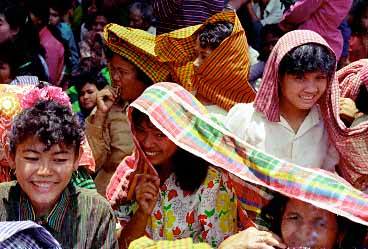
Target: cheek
x,y
288,232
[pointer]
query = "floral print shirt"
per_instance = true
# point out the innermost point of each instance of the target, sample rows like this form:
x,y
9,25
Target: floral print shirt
x,y
206,215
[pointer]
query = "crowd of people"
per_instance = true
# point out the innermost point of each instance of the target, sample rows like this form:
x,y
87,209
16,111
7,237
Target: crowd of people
x,y
184,124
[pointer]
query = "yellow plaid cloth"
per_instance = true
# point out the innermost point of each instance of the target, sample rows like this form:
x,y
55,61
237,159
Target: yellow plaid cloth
x,y
223,77
146,243
138,47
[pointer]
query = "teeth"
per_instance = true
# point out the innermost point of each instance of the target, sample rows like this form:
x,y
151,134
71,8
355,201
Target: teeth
x,y
152,153
307,97
43,184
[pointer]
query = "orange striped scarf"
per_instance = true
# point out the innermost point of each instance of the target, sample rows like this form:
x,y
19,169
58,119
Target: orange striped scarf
x,y
223,77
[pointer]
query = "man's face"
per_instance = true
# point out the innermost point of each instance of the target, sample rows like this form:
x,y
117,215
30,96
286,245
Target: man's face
x,y
43,174
54,18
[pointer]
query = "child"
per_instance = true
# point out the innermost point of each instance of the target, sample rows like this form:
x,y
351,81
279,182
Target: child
x,y
285,120
44,151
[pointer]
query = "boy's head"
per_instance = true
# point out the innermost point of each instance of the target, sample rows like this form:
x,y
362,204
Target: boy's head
x,y
270,34
304,75
58,9
210,38
8,62
12,18
140,15
44,143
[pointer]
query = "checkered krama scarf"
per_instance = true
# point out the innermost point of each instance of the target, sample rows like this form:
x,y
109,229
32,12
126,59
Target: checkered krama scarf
x,y
223,77
138,47
352,143
267,100
176,113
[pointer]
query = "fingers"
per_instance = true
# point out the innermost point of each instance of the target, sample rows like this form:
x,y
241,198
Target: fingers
x,y
269,240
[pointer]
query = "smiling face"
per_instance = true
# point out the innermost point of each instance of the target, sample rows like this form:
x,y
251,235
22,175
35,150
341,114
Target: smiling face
x,y
43,174
88,96
304,225
158,148
301,92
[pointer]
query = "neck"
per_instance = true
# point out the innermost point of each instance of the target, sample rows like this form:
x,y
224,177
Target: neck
x,y
164,171
294,116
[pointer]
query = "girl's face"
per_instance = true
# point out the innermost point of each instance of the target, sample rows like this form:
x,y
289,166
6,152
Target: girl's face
x,y
6,32
158,148
5,77
88,96
301,92
54,18
304,225
124,75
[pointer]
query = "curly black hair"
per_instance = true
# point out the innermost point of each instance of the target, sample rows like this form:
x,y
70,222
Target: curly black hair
x,y
214,33
49,121
307,58
190,171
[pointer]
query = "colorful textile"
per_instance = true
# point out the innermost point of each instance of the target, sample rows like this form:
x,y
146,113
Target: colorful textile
x,y
146,243
223,77
173,15
351,142
267,100
25,234
138,47
206,215
321,16
13,99
81,218
186,122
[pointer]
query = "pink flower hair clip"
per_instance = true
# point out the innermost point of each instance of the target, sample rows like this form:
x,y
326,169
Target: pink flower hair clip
x,y
46,93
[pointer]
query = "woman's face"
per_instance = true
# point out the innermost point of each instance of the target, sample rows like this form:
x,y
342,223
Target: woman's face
x,y
304,225
158,148
124,75
88,96
6,32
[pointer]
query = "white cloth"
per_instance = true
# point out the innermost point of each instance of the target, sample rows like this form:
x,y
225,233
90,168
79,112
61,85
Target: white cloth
x,y
309,147
272,13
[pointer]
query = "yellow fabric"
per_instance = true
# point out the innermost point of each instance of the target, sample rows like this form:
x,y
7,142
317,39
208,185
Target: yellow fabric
x,y
138,47
223,77
146,243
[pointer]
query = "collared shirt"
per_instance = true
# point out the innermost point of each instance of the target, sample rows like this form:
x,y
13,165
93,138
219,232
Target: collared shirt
x,y
81,218
309,147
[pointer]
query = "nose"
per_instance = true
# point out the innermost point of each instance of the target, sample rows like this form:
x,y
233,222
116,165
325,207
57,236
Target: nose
x,y
311,86
44,169
307,236
197,62
147,141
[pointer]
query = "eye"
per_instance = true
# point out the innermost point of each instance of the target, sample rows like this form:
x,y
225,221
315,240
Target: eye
x,y
160,135
31,158
60,160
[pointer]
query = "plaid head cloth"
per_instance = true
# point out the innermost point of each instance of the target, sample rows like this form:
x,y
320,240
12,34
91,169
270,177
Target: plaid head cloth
x,y
223,77
25,234
138,46
175,112
351,142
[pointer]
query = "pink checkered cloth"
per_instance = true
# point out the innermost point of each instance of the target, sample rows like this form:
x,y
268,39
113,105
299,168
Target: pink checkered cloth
x,y
352,143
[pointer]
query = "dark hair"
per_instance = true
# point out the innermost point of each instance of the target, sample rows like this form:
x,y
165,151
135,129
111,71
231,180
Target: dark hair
x,y
214,33
60,6
361,102
190,171
51,122
272,29
273,212
7,52
357,11
142,76
40,10
145,8
91,77
307,58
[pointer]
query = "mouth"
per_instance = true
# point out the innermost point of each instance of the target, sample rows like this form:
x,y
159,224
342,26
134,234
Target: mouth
x,y
151,153
43,185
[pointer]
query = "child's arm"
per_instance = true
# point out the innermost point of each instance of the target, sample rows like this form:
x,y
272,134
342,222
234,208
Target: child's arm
x,y
348,110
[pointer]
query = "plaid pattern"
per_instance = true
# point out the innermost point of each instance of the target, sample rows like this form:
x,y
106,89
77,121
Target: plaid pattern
x,y
351,143
185,121
25,234
223,77
10,105
138,47
267,100
146,243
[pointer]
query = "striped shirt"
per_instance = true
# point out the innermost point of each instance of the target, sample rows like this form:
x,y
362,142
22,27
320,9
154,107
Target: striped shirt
x,y
81,219
177,14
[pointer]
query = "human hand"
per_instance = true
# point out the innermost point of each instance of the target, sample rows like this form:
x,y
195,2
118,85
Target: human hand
x,y
348,109
146,193
105,99
252,238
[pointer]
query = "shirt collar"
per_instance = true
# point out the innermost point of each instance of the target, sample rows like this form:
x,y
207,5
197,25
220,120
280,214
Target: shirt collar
x,y
54,219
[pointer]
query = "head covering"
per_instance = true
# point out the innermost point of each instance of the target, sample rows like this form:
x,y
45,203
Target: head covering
x,y
138,47
15,98
175,112
267,100
223,77
351,142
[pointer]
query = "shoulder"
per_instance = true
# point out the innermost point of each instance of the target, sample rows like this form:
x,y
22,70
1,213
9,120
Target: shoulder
x,y
90,199
239,117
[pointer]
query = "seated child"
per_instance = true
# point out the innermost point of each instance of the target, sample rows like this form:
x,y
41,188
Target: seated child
x,y
44,148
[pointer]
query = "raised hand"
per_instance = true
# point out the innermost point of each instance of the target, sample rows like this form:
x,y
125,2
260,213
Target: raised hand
x,y
146,193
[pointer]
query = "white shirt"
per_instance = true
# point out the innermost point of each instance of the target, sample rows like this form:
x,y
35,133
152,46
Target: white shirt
x,y
272,13
309,147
